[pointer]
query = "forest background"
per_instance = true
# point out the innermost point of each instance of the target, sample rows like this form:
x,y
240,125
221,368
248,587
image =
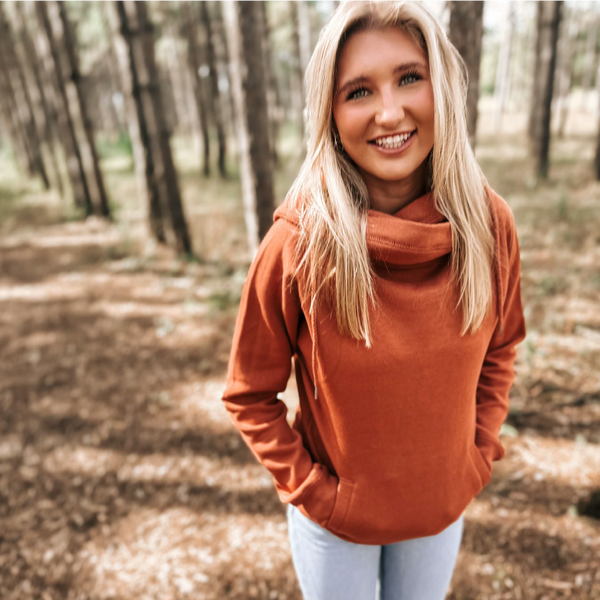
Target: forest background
x,y
131,205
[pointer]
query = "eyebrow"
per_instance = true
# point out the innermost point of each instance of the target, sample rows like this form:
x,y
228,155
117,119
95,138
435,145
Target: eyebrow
x,y
397,69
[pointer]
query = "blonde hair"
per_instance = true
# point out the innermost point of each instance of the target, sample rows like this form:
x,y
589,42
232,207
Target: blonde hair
x,y
332,200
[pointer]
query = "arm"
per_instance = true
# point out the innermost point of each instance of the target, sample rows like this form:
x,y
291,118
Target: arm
x,y
497,373
260,364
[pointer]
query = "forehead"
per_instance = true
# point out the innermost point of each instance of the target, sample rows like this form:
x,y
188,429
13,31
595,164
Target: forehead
x,y
374,49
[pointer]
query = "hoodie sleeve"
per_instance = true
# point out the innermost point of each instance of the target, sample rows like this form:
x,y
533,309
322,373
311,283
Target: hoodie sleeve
x,y
497,373
260,364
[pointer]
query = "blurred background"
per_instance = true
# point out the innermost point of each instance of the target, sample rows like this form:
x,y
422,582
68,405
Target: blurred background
x,y
131,205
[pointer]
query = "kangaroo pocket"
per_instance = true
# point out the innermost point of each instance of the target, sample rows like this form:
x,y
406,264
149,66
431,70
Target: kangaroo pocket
x,y
415,501
485,473
343,498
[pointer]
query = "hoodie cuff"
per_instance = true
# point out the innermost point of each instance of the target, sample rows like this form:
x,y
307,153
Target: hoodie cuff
x,y
491,448
316,495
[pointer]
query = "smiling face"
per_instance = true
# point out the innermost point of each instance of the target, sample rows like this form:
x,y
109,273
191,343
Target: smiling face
x,y
383,106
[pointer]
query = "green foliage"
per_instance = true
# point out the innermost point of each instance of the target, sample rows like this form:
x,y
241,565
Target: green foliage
x,y
563,206
550,286
595,281
509,430
224,300
108,148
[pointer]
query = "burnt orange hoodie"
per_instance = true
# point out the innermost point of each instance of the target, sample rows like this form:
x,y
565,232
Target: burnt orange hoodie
x,y
391,442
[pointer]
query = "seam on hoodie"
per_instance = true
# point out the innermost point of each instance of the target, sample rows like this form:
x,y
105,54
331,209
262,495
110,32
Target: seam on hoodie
x,y
498,260
406,246
314,345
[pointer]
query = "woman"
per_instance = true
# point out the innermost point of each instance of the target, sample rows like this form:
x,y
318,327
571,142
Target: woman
x,y
391,279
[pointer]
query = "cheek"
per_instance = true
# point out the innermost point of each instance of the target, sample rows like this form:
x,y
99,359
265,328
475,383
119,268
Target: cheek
x,y
349,121
426,111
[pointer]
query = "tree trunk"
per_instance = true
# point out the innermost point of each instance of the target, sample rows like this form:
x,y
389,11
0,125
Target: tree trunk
x,y
548,21
113,69
58,118
567,49
213,79
589,62
75,164
597,156
466,33
271,85
18,95
45,117
244,34
523,63
304,33
134,39
222,68
124,43
175,72
501,86
10,122
190,28
72,84
298,79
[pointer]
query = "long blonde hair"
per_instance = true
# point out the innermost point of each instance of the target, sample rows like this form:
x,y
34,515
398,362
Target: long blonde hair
x,y
332,200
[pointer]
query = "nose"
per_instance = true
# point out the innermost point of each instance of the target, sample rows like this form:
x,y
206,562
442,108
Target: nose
x,y
390,110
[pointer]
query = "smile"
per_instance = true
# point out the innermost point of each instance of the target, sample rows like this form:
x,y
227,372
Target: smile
x,y
394,144
392,141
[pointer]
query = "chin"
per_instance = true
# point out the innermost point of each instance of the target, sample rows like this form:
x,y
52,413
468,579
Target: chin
x,y
393,175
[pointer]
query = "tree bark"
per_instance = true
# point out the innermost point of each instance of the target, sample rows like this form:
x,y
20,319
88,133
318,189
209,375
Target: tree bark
x,y
113,69
58,118
72,83
298,78
244,35
548,21
597,156
134,42
589,62
44,115
222,68
466,33
566,56
215,95
502,83
271,85
176,75
124,43
20,99
10,123
75,164
190,28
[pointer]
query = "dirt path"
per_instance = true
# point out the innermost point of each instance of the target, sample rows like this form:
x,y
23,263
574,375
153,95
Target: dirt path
x,y
121,476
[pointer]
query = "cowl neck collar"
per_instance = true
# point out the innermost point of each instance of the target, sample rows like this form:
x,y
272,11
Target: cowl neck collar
x,y
416,233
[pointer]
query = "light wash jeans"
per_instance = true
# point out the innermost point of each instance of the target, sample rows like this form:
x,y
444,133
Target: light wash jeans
x,y
329,568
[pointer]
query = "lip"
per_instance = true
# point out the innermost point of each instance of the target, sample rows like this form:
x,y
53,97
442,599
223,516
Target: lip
x,y
395,151
379,137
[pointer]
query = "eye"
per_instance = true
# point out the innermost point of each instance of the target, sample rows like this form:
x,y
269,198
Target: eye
x,y
409,78
356,93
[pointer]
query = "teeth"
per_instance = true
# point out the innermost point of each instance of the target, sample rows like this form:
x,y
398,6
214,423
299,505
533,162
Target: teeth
x,y
392,141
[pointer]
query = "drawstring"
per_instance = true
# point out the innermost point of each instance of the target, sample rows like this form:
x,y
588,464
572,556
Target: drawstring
x,y
315,342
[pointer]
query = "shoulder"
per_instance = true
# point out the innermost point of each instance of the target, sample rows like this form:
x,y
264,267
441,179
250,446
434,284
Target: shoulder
x,y
505,229
502,211
279,241
275,256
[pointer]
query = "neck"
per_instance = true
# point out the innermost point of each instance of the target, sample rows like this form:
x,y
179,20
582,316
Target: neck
x,y
391,196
